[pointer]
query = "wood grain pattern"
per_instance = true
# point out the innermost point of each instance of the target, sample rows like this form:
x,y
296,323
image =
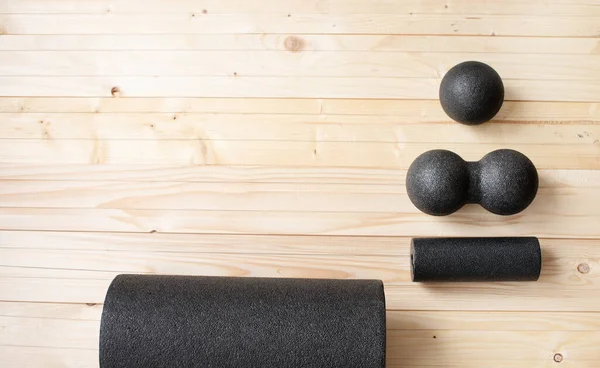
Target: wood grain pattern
x,y
354,198
476,222
459,7
308,42
272,138
202,151
355,64
84,261
249,23
414,111
289,127
253,174
282,87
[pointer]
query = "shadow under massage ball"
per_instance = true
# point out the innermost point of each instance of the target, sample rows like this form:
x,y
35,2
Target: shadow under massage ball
x,y
472,93
440,182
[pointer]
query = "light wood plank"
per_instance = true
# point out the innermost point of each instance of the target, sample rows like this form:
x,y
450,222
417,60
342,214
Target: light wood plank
x,y
80,257
422,111
293,64
580,250
458,7
250,174
61,264
475,222
221,196
413,321
203,151
304,42
192,105
282,87
40,357
558,273
421,348
88,277
511,111
190,23
290,127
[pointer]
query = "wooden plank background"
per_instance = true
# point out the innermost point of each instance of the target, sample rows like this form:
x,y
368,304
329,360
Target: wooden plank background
x,y
272,138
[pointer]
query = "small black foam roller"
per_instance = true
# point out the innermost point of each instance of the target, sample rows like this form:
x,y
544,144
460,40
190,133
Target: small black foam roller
x,y
221,322
475,259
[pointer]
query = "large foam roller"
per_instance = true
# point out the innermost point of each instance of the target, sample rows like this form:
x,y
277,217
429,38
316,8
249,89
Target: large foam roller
x,y
182,321
476,259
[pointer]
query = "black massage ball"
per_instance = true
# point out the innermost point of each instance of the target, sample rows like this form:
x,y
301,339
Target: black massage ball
x,y
436,182
472,93
508,182
440,182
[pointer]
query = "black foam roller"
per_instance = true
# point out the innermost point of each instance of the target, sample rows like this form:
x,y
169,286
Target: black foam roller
x,y
475,259
184,321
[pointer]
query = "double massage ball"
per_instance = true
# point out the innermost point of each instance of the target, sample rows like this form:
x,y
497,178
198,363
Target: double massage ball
x,y
440,182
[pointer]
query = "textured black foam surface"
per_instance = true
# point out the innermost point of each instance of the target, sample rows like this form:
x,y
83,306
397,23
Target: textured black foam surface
x,y
181,321
440,182
471,93
475,259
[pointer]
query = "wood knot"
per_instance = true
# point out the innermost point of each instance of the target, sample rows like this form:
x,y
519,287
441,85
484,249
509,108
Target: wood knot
x,y
294,44
583,268
558,358
115,91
